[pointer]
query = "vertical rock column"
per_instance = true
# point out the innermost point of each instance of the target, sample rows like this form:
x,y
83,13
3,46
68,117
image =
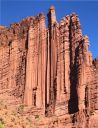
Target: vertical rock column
x,y
29,66
52,55
42,56
36,72
38,63
13,62
58,68
75,36
67,56
62,62
81,81
83,86
82,76
88,77
88,74
63,67
48,70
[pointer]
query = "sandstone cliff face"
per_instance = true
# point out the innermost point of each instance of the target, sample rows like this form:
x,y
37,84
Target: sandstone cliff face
x,y
50,68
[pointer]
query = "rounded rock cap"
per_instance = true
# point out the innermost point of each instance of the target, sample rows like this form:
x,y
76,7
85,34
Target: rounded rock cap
x,y
52,7
41,16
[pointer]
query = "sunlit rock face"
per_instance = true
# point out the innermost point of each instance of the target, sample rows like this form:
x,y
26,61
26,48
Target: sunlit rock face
x,y
50,68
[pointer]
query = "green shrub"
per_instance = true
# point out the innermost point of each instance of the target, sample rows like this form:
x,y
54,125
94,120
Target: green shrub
x,y
1,125
20,108
36,116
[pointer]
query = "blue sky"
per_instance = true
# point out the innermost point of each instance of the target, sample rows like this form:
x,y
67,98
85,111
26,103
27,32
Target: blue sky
x,y
15,10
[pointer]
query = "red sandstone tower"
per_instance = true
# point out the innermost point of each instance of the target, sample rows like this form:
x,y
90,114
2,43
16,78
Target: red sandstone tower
x,y
51,68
